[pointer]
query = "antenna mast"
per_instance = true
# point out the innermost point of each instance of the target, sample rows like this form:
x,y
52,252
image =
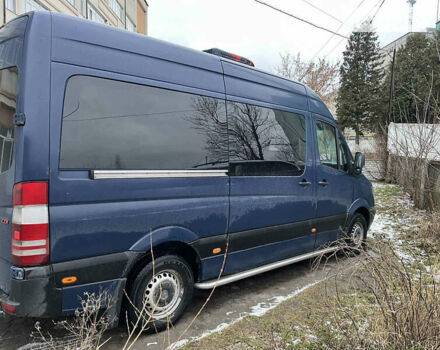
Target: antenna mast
x,y
411,13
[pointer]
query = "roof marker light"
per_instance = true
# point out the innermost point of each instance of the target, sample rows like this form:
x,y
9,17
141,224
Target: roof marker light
x,y
230,56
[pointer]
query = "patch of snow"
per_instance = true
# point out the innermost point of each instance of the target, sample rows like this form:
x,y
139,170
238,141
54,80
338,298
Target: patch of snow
x,y
296,341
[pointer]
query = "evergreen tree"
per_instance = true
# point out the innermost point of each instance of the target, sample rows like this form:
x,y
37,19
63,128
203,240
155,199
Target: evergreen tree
x,y
358,103
416,81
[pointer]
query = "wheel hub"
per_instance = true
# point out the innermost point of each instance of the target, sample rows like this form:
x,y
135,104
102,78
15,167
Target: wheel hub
x,y
357,234
163,294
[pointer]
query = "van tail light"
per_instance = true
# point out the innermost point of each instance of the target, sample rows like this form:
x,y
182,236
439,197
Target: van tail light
x,y
30,224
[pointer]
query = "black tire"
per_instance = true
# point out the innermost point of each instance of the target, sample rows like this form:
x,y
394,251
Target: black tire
x,y
357,232
171,270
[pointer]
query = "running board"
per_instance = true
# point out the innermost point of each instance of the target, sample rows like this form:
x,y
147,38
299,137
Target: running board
x,y
255,271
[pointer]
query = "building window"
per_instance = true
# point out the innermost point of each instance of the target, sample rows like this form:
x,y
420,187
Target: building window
x,y
116,8
95,15
135,126
71,2
10,5
130,25
32,5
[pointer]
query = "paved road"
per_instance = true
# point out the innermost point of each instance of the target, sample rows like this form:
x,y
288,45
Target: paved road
x,y
229,303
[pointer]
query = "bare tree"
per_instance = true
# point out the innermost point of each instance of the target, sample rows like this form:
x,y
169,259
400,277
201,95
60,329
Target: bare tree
x,y
321,76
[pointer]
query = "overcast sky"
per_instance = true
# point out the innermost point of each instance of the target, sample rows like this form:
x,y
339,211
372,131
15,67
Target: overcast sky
x,y
259,33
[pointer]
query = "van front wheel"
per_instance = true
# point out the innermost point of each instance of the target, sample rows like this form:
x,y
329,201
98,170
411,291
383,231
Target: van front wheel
x,y
357,231
160,294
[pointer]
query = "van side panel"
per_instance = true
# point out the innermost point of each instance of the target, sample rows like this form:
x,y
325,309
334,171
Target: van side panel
x,y
98,217
316,105
251,84
113,50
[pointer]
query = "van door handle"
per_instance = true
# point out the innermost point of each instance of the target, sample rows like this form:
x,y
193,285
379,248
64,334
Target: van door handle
x,y
304,183
323,183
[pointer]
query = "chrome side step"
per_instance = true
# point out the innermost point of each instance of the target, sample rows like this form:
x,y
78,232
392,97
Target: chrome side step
x,y
257,270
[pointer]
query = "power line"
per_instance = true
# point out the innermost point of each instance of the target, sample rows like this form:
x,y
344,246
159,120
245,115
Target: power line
x,y
321,10
377,11
340,41
339,28
373,8
300,19
438,8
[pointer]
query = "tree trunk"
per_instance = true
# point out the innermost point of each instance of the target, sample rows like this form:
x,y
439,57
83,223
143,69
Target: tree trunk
x,y
357,141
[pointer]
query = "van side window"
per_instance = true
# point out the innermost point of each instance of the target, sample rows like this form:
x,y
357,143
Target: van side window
x,y
110,124
8,105
326,136
344,154
265,142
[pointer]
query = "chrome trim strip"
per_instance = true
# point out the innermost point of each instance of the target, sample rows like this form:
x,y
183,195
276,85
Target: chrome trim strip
x,y
146,174
255,271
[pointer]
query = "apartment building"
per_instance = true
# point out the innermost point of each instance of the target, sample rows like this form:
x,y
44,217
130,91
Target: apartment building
x,y
128,14
388,49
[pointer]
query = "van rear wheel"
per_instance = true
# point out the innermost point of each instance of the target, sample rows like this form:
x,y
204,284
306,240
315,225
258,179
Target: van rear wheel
x,y
159,298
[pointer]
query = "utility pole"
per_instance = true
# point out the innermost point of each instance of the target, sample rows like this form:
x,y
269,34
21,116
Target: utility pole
x,y
87,9
390,103
386,163
4,12
125,9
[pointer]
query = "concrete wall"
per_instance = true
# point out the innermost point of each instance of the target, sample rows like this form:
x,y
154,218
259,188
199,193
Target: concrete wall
x,y
414,140
366,144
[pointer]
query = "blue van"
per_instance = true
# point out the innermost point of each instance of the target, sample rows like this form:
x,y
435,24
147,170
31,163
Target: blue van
x,y
116,146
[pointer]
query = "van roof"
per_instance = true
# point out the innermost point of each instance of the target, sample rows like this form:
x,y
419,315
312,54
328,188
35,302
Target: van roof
x,y
69,31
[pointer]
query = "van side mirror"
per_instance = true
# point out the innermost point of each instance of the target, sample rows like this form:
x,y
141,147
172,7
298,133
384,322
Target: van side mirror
x,y
358,164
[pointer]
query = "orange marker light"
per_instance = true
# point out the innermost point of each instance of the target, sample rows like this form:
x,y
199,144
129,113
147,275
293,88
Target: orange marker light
x,y
69,280
313,230
216,250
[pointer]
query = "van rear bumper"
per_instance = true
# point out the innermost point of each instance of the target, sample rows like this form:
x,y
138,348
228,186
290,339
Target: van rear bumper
x,y
42,294
35,296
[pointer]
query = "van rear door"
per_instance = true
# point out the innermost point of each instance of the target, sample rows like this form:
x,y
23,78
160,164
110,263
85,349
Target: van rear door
x,y
11,45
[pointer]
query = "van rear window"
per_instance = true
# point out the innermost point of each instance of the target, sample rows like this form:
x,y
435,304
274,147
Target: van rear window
x,y
110,124
8,103
11,42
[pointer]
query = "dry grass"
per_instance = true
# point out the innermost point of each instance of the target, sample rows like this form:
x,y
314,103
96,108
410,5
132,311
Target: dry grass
x,y
394,304
84,331
429,233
